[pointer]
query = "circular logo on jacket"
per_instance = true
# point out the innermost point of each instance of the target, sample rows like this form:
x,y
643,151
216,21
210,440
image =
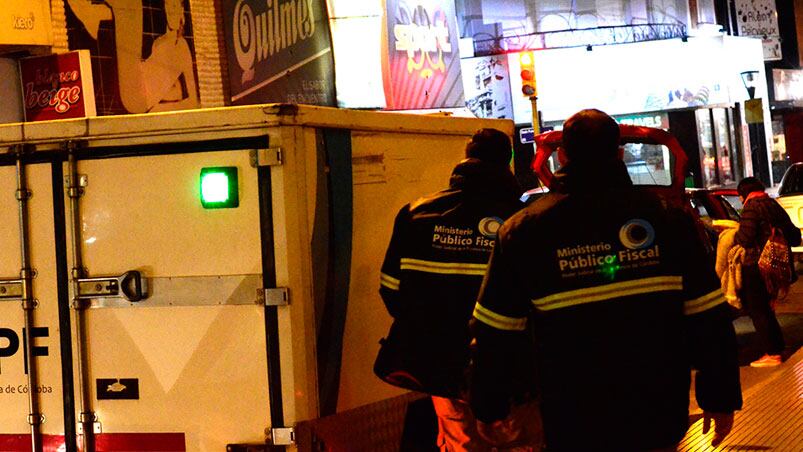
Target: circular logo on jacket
x,y
637,234
489,226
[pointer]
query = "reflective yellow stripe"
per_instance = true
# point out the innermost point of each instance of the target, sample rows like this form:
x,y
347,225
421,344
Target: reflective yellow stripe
x,y
498,321
453,268
389,281
608,291
704,303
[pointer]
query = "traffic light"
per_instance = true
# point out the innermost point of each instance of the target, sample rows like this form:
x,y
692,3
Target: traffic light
x,y
527,64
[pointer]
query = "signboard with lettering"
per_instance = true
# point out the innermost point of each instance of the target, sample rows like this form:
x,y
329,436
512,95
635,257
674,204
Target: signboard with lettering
x,y
759,18
422,66
657,120
279,51
788,84
57,86
754,111
25,22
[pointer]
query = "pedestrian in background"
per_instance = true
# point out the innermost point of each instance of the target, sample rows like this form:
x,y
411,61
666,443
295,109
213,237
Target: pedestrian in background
x,y
760,215
624,302
430,278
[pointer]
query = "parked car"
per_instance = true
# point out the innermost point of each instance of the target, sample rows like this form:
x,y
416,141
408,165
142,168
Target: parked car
x,y
790,197
715,203
712,204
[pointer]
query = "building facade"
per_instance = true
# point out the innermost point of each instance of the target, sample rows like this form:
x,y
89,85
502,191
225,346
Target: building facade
x,y
675,64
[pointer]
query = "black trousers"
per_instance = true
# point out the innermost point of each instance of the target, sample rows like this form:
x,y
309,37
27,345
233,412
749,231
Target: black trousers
x,y
756,303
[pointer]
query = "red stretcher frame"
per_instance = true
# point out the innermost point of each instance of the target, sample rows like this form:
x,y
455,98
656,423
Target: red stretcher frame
x,y
548,143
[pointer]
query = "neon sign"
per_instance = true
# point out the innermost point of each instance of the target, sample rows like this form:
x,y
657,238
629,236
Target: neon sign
x,y
425,38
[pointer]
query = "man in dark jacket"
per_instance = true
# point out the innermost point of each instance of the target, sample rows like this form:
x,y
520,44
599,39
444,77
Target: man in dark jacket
x,y
432,272
623,300
761,213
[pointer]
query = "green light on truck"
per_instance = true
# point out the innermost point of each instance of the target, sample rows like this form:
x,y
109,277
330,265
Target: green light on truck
x,y
219,187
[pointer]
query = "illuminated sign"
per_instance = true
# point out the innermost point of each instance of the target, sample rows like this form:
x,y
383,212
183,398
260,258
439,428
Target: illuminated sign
x,y
788,84
629,78
57,86
656,120
423,69
25,22
421,42
278,51
759,18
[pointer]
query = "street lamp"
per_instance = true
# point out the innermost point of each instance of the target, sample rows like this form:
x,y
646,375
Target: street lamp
x,y
754,115
749,81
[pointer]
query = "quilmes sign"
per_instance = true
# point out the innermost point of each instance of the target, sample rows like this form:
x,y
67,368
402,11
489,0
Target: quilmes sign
x,y
279,51
25,22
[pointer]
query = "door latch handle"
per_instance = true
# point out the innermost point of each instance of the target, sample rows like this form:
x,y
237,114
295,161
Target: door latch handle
x,y
130,285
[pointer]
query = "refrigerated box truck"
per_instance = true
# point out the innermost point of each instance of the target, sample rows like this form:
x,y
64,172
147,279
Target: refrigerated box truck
x,y
203,279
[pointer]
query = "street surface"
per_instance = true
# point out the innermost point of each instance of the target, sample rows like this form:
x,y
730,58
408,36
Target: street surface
x,y
790,316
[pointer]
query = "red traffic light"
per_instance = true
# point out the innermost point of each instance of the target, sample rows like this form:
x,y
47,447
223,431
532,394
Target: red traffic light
x,y
527,64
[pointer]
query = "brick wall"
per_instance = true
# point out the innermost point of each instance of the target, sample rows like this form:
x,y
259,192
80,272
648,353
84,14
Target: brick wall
x,y
59,26
207,23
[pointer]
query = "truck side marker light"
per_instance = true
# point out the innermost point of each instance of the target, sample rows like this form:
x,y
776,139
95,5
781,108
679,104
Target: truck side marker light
x,y
219,187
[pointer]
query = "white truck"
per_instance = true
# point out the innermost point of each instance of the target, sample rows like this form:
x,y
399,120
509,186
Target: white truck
x,y
790,197
204,280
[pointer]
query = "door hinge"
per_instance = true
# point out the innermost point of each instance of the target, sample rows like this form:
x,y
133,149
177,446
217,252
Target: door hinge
x,y
266,157
11,289
282,436
274,296
96,428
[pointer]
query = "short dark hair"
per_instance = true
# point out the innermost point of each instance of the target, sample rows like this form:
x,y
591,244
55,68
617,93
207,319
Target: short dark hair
x,y
491,146
590,136
749,185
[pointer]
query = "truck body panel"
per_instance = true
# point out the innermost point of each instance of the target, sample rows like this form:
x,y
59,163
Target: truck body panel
x,y
198,348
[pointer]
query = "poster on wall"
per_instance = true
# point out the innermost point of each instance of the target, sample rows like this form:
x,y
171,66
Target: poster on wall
x,y
279,51
486,81
759,18
57,86
142,52
421,68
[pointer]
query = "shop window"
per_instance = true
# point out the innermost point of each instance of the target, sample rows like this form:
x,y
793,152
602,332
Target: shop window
x,y
780,162
648,164
707,151
706,13
724,146
717,142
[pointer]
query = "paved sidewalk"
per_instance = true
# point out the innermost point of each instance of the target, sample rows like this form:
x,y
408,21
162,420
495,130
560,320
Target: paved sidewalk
x,y
771,419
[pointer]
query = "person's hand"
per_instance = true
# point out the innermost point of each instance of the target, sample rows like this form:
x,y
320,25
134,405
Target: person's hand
x,y
723,423
499,433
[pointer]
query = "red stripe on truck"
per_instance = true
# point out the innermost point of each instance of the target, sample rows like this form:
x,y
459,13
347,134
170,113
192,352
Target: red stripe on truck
x,y
104,442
